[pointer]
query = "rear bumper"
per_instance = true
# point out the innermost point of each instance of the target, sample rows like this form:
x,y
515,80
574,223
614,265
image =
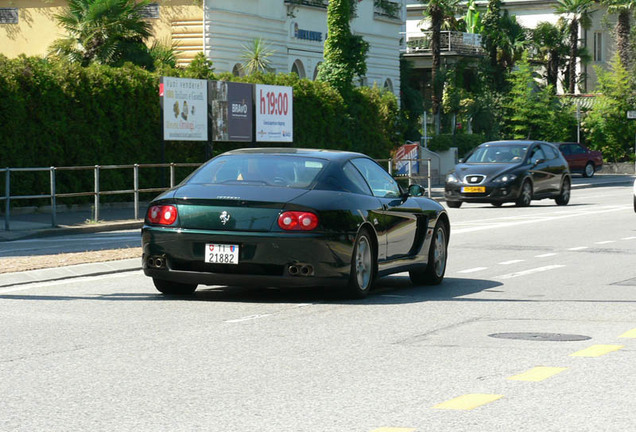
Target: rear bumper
x,y
264,258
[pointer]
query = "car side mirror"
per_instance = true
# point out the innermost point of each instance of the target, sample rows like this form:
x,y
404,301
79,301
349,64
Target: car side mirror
x,y
415,190
460,160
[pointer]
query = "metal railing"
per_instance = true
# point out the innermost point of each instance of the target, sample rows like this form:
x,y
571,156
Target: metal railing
x,y
450,41
410,175
96,193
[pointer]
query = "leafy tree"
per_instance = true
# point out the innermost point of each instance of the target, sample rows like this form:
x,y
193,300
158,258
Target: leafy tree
x,y
579,14
109,32
607,128
551,48
256,57
625,10
533,111
345,54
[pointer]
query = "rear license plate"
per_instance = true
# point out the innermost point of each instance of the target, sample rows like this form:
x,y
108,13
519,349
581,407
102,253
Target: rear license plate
x,y
474,189
221,253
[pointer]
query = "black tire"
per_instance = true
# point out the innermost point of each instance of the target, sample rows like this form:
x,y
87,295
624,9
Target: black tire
x,y
363,268
496,204
564,195
635,203
454,204
434,272
173,288
589,170
525,194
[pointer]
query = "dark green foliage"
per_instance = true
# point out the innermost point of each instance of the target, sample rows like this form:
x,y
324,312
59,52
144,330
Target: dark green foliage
x,y
533,111
411,103
464,142
61,114
607,127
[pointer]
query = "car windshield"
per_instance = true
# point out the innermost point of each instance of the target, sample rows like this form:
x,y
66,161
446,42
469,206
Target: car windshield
x,y
497,154
257,169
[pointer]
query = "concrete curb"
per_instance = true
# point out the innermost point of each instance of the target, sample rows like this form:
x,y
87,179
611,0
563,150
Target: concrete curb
x,y
8,280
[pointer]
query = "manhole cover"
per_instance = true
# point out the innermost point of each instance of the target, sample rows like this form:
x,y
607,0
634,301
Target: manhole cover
x,y
541,337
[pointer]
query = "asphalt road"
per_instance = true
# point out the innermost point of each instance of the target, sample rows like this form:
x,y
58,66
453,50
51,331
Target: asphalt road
x,y
558,283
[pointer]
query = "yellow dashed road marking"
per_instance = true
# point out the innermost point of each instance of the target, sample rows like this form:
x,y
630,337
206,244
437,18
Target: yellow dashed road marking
x,y
468,401
537,374
393,429
597,350
629,334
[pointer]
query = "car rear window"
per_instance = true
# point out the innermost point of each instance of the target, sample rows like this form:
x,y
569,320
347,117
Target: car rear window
x,y
257,169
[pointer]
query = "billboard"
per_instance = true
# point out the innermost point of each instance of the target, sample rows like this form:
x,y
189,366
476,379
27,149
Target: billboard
x,y
184,109
274,113
230,111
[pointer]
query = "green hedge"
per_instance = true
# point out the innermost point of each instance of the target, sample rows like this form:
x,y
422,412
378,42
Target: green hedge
x,y
66,115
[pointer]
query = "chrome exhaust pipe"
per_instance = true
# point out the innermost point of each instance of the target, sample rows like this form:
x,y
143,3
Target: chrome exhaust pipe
x,y
293,270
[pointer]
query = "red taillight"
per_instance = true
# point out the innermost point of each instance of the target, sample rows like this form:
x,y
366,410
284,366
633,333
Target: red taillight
x,y
162,214
297,221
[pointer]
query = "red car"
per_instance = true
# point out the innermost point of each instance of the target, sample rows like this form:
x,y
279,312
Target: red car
x,y
581,159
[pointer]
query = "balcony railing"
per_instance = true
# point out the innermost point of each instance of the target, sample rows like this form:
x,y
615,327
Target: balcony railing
x,y
450,41
315,3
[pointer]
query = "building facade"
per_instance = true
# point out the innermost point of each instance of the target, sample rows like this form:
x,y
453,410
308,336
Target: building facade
x,y
294,30
597,39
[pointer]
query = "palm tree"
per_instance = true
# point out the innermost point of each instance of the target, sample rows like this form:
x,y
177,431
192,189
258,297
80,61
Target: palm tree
x,y
439,11
103,31
625,10
579,13
550,43
256,57
504,40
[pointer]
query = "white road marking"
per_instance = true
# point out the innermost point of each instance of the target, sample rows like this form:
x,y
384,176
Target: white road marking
x,y
529,272
248,318
545,255
628,238
578,248
511,262
605,242
523,220
472,270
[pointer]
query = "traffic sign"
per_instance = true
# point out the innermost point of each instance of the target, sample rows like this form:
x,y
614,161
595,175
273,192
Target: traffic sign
x,y
631,115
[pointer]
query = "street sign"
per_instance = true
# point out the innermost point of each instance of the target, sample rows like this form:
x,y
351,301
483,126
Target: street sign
x,y
631,115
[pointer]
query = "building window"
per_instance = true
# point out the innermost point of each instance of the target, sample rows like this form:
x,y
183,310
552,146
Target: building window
x,y
317,70
598,46
388,85
238,71
150,11
298,69
8,15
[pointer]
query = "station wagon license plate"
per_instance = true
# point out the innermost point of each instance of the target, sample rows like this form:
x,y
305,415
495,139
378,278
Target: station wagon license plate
x,y
221,253
474,189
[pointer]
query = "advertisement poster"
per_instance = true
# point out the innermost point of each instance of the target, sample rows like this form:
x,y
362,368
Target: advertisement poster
x,y
405,155
184,109
274,113
230,111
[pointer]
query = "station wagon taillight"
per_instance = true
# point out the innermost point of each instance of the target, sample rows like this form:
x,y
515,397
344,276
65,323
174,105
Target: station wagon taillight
x,y
297,221
162,214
